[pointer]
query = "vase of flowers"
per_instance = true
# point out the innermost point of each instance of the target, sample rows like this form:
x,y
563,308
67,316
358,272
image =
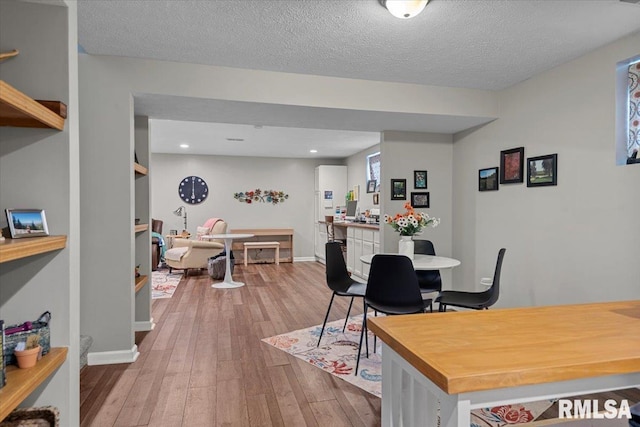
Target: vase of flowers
x,y
408,224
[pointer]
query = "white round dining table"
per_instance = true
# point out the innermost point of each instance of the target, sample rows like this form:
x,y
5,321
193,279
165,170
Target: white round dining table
x,y
228,238
423,262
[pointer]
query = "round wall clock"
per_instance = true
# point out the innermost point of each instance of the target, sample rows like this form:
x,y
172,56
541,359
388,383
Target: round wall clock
x,y
193,190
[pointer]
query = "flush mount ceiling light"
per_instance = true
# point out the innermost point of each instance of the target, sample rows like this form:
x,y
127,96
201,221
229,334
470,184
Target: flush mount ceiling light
x,y
184,145
313,151
404,9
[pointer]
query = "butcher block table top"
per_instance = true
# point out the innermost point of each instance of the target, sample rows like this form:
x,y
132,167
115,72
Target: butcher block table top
x,y
481,350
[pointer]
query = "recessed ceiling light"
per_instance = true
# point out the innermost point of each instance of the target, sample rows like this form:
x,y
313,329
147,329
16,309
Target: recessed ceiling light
x,y
313,151
184,145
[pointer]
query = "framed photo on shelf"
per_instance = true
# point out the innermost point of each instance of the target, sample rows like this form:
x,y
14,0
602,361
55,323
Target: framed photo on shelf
x,y
419,179
27,223
488,179
398,189
512,166
542,170
420,199
371,186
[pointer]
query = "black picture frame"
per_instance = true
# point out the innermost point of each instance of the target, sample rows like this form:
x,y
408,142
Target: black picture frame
x,y
420,199
27,223
371,186
376,198
542,171
419,179
488,179
398,189
512,166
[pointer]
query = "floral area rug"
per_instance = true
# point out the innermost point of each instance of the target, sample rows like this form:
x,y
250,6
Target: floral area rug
x,y
163,284
337,355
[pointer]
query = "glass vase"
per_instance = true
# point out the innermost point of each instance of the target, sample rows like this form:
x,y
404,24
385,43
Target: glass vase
x,y
405,246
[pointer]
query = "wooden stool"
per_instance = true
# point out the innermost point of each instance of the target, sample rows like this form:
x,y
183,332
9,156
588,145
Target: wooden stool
x,y
262,245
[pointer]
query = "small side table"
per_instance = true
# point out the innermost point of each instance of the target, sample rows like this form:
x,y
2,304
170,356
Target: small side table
x,y
170,238
228,282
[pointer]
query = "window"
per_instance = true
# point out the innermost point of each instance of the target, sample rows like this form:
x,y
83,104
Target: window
x,y
373,169
633,100
628,111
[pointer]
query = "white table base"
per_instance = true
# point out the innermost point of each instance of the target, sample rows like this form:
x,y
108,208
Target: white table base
x,y
228,282
410,399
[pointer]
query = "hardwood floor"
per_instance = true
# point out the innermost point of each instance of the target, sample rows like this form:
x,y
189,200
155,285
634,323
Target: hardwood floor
x,y
204,364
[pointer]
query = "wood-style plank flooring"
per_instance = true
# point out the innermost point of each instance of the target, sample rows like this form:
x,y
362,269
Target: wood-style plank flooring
x,y
204,363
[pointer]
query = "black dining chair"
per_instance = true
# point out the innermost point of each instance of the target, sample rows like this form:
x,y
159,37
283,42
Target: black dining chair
x,y
339,281
392,289
429,280
474,300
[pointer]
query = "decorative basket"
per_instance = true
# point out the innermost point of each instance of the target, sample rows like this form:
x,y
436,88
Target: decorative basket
x,y
39,327
46,416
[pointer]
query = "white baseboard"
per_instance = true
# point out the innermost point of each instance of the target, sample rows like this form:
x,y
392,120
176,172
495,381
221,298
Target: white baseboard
x,y
113,357
304,259
144,326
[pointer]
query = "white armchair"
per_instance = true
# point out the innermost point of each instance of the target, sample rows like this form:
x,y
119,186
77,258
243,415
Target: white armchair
x,y
188,254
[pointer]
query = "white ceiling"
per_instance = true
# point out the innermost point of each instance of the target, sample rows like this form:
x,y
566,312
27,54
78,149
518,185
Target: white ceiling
x,y
482,44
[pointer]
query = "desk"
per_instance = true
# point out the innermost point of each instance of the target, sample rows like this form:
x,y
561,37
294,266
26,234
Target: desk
x,y
475,359
423,262
228,282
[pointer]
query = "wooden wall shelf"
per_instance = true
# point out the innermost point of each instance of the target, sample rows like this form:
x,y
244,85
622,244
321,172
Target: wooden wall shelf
x,y
142,227
18,109
140,282
12,249
139,169
21,382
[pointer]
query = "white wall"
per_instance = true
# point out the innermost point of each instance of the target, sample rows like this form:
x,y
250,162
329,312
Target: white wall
x,y
228,175
357,175
577,241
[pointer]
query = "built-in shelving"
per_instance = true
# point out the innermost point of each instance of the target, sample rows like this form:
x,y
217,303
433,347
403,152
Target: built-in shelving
x,y
141,227
21,382
12,249
139,169
18,109
140,282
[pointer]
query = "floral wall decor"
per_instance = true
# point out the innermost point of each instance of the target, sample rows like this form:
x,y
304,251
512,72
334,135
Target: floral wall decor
x,y
261,196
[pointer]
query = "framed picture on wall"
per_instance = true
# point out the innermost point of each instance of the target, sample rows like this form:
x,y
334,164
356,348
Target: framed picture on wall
x,y
512,166
420,199
488,179
376,198
419,179
542,170
398,189
371,186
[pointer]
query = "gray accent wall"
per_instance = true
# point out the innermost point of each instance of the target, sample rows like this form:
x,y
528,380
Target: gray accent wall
x,y
572,243
401,154
226,175
39,170
108,86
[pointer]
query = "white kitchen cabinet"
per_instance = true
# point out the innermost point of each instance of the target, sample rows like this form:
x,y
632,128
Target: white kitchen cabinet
x,y
361,241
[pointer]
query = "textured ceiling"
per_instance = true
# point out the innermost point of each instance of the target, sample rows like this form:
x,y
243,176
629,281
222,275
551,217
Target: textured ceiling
x,y
482,44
